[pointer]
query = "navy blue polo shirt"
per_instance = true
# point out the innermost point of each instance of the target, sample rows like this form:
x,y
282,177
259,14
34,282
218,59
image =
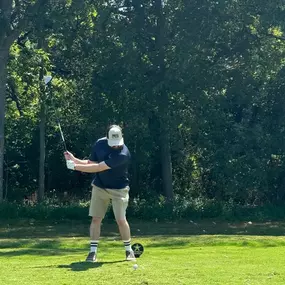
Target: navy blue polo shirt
x,y
117,159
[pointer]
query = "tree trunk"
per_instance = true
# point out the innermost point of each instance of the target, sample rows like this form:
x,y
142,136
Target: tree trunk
x,y
8,36
42,152
163,103
136,169
166,164
4,53
42,127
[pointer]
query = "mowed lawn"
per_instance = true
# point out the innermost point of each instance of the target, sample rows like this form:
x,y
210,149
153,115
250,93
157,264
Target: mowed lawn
x,y
203,253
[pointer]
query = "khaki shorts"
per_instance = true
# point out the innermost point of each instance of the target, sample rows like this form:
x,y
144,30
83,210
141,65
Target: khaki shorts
x,y
100,201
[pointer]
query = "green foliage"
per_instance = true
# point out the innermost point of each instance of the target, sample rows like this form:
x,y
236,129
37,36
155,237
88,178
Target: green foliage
x,y
54,212
208,74
155,210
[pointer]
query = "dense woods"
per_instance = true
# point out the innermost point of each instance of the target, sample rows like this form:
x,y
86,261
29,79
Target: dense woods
x,y
198,86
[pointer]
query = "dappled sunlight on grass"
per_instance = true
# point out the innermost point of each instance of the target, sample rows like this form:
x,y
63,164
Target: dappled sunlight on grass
x,y
169,258
217,240
30,229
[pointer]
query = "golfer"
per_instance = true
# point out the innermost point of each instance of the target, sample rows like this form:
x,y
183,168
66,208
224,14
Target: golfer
x,y
109,161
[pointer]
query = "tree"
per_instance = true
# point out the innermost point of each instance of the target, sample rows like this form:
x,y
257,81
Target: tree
x,y
14,18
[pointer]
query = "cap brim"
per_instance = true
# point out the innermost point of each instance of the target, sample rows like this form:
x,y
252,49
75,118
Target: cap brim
x,y
116,142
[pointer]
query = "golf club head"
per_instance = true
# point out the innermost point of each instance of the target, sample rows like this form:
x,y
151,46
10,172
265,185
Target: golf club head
x,y
138,249
47,79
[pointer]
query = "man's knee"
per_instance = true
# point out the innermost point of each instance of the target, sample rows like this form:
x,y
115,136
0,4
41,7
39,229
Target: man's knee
x,y
122,222
96,221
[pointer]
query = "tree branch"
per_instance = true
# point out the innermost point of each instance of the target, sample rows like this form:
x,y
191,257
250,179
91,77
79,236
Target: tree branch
x,y
22,38
5,17
30,11
14,96
276,37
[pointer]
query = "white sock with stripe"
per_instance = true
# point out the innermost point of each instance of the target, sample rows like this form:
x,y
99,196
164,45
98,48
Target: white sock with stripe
x,y
94,245
127,244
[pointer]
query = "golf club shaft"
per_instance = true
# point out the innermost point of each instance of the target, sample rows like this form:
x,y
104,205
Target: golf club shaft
x,y
47,80
62,137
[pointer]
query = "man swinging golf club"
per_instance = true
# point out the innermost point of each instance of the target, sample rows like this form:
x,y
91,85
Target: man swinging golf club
x,y
109,161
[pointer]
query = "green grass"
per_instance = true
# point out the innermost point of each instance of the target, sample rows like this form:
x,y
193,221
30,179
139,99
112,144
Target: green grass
x,y
203,253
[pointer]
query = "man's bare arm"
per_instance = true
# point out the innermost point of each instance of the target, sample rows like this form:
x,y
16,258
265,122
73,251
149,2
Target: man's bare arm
x,y
91,167
69,156
83,161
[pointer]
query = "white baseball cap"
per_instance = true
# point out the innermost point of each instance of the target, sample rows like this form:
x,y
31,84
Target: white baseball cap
x,y
115,136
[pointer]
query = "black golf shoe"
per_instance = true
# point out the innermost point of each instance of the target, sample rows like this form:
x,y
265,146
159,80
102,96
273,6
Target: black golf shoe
x,y
130,256
91,257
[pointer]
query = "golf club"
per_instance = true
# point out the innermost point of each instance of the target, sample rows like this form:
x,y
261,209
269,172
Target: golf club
x,y
47,81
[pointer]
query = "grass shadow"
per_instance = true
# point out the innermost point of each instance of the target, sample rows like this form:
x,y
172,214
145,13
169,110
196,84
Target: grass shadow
x,y
38,252
215,240
40,229
84,266
44,244
6,244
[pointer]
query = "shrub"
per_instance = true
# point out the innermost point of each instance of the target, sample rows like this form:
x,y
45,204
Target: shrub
x,y
155,209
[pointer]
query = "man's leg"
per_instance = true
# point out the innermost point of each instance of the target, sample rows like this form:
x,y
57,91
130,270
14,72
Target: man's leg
x,y
95,229
125,232
124,229
98,207
120,200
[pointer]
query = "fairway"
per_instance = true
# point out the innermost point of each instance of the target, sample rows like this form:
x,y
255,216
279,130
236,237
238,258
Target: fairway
x,y
54,254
